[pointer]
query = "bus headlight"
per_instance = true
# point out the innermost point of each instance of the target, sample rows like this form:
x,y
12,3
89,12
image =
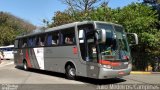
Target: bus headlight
x,y
107,66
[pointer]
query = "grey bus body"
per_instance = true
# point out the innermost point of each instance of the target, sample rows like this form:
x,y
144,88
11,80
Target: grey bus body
x,y
86,54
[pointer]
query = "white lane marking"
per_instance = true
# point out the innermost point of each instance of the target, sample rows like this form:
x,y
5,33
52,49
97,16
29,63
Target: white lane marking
x,y
3,65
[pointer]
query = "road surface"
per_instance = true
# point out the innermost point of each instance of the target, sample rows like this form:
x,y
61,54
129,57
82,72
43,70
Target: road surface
x,y
15,78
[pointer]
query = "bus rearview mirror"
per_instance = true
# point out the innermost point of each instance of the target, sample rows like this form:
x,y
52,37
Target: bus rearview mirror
x,y
132,38
81,36
101,35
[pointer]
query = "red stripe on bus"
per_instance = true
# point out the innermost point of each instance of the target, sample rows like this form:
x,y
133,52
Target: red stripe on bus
x,y
106,62
28,59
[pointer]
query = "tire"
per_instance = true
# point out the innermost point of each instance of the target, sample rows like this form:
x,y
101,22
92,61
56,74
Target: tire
x,y
71,72
25,66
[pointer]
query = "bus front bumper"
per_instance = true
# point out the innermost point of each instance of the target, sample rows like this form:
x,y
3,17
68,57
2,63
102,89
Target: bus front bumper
x,y
110,73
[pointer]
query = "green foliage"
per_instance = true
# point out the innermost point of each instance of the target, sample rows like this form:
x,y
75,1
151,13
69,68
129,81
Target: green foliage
x,y
11,26
81,5
143,20
102,13
136,18
61,18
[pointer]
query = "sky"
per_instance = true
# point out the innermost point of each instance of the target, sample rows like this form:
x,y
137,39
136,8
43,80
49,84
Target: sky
x,y
34,11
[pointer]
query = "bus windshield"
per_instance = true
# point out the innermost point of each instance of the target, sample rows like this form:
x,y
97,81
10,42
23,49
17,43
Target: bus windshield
x,y
116,46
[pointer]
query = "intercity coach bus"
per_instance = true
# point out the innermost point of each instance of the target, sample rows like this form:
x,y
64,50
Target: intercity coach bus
x,y
93,49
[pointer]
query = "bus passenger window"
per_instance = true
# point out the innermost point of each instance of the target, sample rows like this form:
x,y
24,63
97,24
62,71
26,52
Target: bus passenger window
x,y
54,42
41,43
55,37
24,43
31,42
52,39
49,40
68,36
40,40
68,40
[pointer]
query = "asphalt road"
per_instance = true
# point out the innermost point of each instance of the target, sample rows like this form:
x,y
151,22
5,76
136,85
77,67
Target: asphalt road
x,y
15,78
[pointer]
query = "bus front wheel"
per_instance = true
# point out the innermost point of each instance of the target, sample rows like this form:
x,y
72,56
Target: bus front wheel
x,y
70,72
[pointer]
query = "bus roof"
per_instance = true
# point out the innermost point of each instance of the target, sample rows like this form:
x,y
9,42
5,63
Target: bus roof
x,y
61,27
9,46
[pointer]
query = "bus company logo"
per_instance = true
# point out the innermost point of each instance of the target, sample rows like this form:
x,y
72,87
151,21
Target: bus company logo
x,y
9,87
128,87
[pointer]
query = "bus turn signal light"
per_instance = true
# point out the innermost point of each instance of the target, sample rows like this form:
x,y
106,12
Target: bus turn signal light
x,y
75,50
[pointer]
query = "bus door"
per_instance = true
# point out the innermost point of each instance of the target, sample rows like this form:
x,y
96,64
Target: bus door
x,y
89,50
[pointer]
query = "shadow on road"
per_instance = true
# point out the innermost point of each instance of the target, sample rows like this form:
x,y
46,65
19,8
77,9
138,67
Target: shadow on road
x,y
100,82
80,79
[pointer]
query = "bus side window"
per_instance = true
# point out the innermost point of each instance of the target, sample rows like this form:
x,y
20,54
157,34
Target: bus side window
x,y
40,41
24,42
52,39
68,36
24,45
49,40
55,37
20,43
31,42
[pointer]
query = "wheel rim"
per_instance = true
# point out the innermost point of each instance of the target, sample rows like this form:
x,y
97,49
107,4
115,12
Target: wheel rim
x,y
25,66
72,72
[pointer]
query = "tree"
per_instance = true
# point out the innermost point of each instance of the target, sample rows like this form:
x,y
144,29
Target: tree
x,y
81,5
141,19
78,10
102,13
11,26
150,1
136,18
61,18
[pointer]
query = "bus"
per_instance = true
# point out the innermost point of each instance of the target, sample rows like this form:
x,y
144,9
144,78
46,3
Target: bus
x,y
6,52
93,49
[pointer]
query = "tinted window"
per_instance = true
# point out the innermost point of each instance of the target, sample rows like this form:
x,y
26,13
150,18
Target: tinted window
x,y
68,36
40,40
31,42
22,43
52,39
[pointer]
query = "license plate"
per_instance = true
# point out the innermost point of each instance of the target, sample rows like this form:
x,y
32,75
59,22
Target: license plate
x,y
121,73
125,62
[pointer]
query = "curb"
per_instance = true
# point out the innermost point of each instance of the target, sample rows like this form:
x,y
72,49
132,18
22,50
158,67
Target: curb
x,y
155,72
141,72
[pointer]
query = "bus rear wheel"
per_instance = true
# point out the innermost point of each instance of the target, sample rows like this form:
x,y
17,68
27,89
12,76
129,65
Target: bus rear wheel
x,y
70,72
25,66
